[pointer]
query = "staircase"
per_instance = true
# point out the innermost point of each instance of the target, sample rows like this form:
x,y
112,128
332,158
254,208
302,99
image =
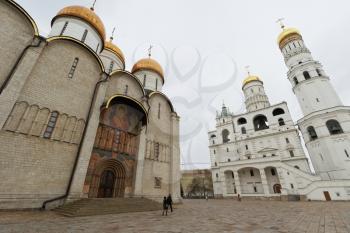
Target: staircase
x,y
103,206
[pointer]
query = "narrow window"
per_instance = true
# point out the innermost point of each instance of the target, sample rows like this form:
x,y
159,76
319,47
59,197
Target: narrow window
x,y
244,131
97,47
229,160
312,133
217,175
213,142
251,172
144,80
84,36
317,100
216,164
159,111
347,154
246,147
287,140
51,125
64,28
306,75
273,155
156,151
292,186
156,84
273,172
248,157
126,90
73,68
255,189
318,72
291,153
264,156
297,167
214,152
321,157
227,150
296,82
111,67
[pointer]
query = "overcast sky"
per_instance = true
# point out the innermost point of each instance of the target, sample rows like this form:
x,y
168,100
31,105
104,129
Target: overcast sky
x,y
204,46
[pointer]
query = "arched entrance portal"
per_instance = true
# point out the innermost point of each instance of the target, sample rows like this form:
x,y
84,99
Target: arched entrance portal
x,y
108,180
277,188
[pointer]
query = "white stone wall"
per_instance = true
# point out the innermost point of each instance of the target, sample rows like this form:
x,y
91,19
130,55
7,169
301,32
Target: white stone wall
x,y
150,80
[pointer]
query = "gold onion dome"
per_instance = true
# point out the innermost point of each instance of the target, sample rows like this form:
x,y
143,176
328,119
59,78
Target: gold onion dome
x,y
85,14
148,64
287,33
114,49
251,78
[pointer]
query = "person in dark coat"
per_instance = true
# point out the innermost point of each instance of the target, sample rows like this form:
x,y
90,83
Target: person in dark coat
x,y
165,206
170,202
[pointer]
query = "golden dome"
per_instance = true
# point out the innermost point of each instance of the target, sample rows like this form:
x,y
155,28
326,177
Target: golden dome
x,y
287,32
148,64
114,49
86,14
251,78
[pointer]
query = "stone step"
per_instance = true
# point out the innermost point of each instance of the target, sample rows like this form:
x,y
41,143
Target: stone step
x,y
101,206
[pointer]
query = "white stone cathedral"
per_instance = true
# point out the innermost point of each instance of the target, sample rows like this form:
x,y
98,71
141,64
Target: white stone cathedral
x,y
259,154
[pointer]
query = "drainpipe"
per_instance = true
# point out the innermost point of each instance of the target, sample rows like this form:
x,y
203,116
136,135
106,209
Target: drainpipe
x,y
31,45
79,148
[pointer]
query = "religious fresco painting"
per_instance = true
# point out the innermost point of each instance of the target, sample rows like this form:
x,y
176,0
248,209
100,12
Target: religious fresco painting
x,y
112,163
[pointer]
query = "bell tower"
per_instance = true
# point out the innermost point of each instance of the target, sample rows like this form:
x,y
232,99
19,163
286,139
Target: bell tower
x,y
325,125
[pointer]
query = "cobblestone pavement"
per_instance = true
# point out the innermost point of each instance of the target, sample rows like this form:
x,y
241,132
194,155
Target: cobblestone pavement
x,y
195,216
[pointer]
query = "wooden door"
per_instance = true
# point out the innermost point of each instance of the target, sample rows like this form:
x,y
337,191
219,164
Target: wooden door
x,y
327,196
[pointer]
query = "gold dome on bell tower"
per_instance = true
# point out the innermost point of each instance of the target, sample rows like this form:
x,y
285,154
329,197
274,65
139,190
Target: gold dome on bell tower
x,y
287,35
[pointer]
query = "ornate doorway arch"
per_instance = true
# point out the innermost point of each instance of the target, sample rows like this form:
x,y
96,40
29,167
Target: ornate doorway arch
x,y
277,188
108,180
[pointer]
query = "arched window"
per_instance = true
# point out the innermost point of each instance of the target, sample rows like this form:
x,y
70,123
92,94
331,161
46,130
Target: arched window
x,y
260,123
297,167
225,133
334,127
51,125
273,172
278,111
242,121
64,28
296,82
213,136
306,75
281,122
244,131
312,133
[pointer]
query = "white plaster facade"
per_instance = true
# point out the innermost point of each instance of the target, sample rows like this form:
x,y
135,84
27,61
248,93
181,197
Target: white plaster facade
x,y
269,162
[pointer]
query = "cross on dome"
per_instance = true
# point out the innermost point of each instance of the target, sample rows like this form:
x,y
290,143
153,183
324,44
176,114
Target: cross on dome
x,y
93,5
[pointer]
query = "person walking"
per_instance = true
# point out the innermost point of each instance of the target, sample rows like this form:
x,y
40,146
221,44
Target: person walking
x,y
165,207
170,202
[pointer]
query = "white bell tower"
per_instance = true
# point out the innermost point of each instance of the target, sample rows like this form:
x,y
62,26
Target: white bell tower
x,y
326,122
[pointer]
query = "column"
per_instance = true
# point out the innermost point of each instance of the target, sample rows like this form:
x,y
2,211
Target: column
x,y
237,183
77,187
264,182
138,191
